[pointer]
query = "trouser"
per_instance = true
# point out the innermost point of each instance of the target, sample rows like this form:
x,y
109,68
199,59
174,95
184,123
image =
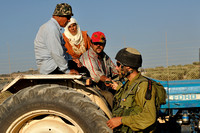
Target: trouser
x,y
73,65
57,71
126,129
108,96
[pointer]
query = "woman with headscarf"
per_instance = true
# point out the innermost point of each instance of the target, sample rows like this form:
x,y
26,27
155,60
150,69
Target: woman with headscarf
x,y
76,42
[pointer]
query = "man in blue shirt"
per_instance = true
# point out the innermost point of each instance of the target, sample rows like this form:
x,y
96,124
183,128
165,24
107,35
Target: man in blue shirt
x,y
49,53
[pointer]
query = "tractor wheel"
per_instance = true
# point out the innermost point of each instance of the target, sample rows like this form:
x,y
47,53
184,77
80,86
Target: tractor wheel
x,y
53,109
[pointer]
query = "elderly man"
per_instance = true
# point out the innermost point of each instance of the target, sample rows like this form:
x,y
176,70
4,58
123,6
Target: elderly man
x,y
50,57
99,64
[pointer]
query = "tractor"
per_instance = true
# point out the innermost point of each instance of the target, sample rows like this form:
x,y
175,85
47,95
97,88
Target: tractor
x,y
63,103
60,103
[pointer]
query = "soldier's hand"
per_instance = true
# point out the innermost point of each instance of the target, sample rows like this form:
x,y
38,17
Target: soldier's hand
x,y
114,122
114,85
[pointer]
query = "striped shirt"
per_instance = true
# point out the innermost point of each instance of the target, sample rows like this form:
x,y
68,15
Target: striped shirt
x,y
90,60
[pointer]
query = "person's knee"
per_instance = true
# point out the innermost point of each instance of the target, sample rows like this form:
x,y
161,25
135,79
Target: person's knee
x,y
109,97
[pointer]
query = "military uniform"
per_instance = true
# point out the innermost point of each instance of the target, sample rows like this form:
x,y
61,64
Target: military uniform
x,y
138,114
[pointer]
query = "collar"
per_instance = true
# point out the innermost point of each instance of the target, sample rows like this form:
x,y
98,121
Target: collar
x,y
136,77
55,22
93,52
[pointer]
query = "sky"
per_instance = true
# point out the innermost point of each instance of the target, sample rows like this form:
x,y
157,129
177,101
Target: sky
x,y
166,32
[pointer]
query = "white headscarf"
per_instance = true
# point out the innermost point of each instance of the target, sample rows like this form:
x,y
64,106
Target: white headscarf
x,y
73,39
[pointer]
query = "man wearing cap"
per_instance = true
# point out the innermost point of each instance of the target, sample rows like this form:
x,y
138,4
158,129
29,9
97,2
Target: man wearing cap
x,y
50,57
132,111
99,64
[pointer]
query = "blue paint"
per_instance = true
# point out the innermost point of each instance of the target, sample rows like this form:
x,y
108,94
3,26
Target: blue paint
x,y
183,102
183,93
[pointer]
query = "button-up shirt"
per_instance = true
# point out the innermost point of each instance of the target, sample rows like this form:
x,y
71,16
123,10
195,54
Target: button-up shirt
x,y
90,60
49,44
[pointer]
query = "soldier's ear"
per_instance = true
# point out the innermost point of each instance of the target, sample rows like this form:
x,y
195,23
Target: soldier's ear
x,y
127,67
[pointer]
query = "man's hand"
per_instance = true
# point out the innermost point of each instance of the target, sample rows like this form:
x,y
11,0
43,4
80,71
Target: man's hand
x,y
105,79
114,122
108,82
114,85
72,71
79,64
88,82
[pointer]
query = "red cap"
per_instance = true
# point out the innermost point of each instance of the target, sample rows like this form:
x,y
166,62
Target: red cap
x,y
98,37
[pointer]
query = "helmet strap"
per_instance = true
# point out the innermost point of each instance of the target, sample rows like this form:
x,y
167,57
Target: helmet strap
x,y
128,73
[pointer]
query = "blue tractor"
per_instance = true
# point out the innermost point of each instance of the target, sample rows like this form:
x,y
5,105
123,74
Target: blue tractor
x,y
181,113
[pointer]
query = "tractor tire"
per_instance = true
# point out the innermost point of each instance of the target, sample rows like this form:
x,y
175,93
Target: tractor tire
x,y
53,109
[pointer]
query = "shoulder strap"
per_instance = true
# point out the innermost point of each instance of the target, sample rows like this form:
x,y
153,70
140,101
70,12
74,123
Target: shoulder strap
x,y
137,82
149,90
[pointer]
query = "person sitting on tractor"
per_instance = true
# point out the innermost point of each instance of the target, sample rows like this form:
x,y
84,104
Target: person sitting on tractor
x,y
49,53
99,64
76,43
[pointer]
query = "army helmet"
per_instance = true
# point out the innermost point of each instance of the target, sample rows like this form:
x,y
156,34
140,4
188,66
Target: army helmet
x,y
129,57
63,9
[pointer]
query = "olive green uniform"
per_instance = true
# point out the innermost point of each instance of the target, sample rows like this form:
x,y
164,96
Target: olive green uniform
x,y
138,114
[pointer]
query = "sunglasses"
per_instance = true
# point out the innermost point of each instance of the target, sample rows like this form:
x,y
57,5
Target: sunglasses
x,y
97,43
119,64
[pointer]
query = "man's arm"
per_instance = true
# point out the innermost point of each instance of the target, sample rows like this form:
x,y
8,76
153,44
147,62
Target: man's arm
x,y
114,122
92,65
53,39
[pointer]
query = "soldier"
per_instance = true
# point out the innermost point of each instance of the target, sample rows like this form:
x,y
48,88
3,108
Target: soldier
x,y
131,111
50,57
